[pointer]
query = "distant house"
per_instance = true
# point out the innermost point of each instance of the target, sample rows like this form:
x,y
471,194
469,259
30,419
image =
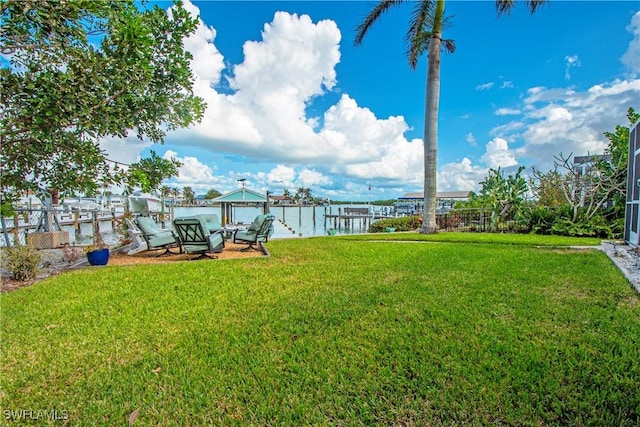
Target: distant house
x,y
412,203
282,200
632,209
584,164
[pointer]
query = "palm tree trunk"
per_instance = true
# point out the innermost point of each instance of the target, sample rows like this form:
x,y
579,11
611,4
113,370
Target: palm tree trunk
x,y
431,124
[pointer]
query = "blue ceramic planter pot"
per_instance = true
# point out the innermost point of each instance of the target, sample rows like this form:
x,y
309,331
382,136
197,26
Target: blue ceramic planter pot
x,y
99,257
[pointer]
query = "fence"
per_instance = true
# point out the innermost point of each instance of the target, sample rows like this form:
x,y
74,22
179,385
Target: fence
x,y
48,229
476,220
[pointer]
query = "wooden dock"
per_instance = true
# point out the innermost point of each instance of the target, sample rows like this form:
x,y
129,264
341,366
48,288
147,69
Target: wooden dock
x,y
350,218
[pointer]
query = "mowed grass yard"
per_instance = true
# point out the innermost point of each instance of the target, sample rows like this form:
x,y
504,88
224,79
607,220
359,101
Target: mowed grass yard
x,y
502,330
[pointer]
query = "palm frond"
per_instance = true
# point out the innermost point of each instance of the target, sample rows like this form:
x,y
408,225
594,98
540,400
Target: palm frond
x,y
535,4
505,6
421,30
449,45
378,10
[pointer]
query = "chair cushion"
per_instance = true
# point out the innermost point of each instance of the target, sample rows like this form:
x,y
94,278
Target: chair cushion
x,y
216,242
162,240
148,226
210,222
257,223
248,235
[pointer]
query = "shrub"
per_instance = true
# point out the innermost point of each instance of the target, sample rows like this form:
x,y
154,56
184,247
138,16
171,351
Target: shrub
x,y
541,219
405,223
21,261
596,226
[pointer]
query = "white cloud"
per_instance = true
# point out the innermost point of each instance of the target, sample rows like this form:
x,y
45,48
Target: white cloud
x,y
506,85
498,154
310,178
631,57
282,176
571,61
124,150
201,45
471,139
266,115
485,86
562,120
507,112
193,173
461,176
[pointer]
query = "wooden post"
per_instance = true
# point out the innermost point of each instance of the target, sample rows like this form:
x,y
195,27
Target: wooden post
x,y
324,224
76,222
96,226
283,217
16,231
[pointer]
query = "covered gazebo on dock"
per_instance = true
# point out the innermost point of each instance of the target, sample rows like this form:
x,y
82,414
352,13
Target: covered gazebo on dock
x,y
240,197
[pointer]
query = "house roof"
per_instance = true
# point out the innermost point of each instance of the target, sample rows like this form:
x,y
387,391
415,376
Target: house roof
x,y
439,195
241,195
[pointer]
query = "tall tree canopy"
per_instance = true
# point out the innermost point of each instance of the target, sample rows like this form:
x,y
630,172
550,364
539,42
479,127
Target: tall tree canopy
x,y
82,70
425,35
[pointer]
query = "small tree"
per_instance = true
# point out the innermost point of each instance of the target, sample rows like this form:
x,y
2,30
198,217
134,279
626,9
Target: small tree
x,y
586,191
504,196
212,194
149,173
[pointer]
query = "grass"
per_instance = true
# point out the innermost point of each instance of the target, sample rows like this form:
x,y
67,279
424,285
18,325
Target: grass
x,y
333,331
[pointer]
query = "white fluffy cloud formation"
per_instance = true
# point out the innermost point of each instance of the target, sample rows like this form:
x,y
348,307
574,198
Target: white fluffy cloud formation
x,y
498,154
631,57
193,173
571,61
461,176
266,115
573,121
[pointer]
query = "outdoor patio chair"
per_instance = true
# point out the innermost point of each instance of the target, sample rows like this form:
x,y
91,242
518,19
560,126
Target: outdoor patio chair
x,y
194,238
258,232
211,222
149,236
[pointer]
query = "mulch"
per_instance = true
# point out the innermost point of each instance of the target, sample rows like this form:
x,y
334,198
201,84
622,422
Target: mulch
x,y
117,258
231,251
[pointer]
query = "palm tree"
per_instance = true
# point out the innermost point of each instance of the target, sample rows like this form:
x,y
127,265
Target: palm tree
x,y
189,195
425,34
299,193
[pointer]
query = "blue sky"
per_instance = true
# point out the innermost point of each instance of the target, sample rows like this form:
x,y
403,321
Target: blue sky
x,y
292,103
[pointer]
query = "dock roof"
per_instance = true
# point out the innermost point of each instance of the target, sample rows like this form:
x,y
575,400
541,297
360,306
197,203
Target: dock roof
x,y
241,195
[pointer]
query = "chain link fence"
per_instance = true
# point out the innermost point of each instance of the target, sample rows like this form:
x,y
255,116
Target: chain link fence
x,y
477,220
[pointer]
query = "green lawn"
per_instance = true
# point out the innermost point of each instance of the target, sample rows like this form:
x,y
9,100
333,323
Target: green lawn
x,y
333,330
